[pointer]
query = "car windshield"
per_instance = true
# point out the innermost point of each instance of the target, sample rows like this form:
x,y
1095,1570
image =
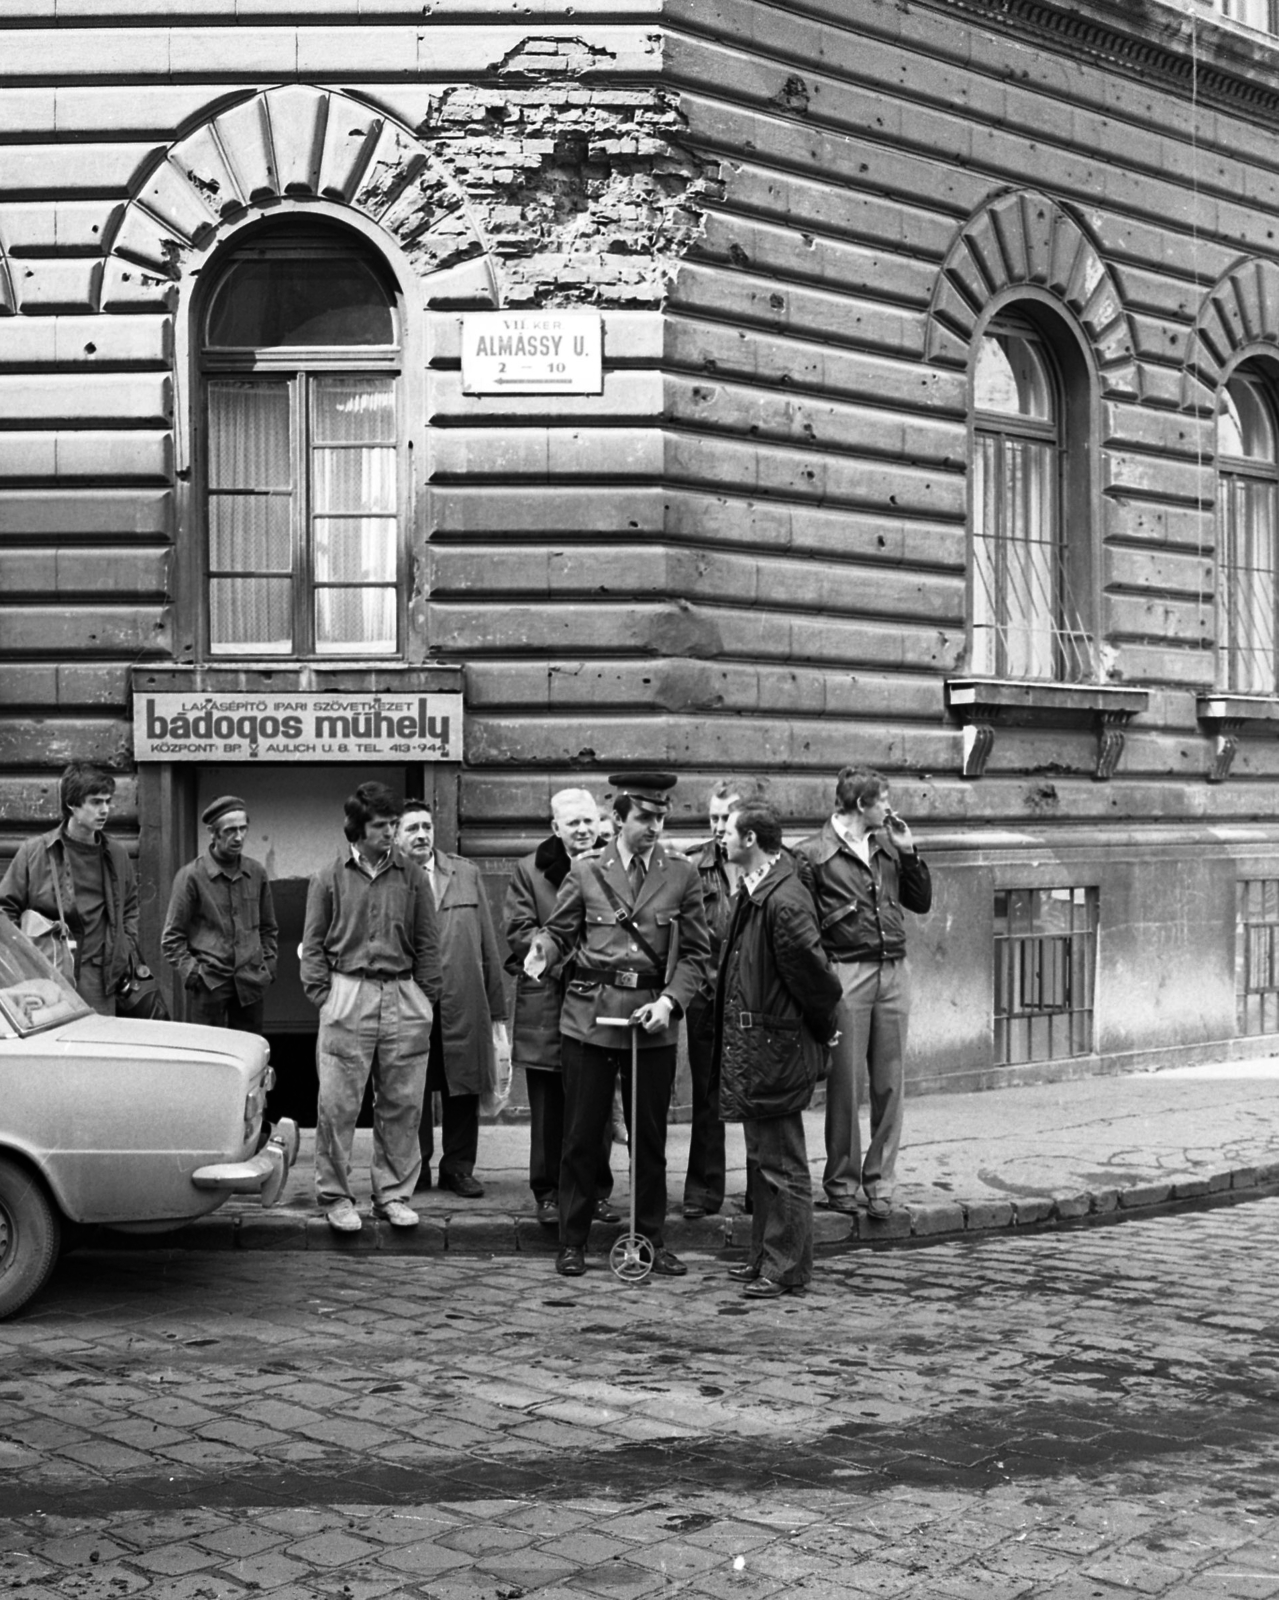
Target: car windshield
x,y
32,994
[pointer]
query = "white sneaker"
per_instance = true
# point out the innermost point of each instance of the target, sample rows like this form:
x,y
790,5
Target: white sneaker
x,y
397,1214
343,1217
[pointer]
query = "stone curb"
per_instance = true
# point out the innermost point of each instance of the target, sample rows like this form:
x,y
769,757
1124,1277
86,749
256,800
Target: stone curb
x,y
492,1233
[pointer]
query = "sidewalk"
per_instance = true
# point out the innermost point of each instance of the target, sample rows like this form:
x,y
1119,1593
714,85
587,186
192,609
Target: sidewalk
x,y
1098,1149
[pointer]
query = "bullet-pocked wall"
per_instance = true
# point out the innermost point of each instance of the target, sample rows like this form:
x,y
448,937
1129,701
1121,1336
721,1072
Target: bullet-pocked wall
x,y
804,226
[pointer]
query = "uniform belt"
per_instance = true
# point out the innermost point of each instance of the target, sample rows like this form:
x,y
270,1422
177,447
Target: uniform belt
x,y
377,974
766,1019
617,977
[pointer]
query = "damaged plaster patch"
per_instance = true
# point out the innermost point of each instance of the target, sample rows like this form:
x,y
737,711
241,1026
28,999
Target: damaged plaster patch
x,y
582,188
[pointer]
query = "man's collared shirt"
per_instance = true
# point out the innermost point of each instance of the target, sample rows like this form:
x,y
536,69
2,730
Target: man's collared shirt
x,y
368,868
860,845
750,880
626,858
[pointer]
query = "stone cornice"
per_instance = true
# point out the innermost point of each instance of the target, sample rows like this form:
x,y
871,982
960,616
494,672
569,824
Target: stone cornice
x,y
1231,68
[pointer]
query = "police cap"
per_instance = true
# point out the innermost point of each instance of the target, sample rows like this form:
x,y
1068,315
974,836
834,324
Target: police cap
x,y
653,788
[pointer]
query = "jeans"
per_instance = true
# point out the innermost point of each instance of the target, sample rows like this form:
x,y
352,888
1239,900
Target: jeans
x,y
873,1017
590,1072
782,1192
704,1182
382,1026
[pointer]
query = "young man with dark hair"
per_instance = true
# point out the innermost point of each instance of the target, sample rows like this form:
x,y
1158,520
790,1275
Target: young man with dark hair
x,y
81,879
866,872
469,1030
220,934
775,1007
632,921
371,963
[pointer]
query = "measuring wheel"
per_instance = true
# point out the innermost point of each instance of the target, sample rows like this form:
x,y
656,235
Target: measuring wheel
x,y
631,1257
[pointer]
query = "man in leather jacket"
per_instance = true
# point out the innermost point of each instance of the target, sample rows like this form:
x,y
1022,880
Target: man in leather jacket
x,y
866,872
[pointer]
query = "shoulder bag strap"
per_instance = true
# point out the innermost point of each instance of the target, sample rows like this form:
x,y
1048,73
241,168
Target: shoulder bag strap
x,y
623,914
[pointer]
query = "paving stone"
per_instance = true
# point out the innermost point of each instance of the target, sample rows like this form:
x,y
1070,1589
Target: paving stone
x,y
1071,1206
1243,1178
1029,1210
1145,1194
927,1220
1189,1188
983,1215
483,1233
1104,1201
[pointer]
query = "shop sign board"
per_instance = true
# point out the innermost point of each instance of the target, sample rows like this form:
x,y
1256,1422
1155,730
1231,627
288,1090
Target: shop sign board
x,y
297,727
532,352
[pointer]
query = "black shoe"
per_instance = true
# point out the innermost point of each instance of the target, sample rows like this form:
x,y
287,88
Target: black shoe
x,y
605,1213
571,1263
691,1213
744,1272
766,1289
548,1213
844,1204
462,1183
666,1264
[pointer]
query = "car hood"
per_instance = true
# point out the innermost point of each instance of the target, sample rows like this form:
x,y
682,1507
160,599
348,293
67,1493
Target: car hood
x,y
161,1038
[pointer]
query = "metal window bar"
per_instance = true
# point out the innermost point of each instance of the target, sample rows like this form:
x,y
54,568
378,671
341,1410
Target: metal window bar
x,y
1044,977
1257,956
1027,622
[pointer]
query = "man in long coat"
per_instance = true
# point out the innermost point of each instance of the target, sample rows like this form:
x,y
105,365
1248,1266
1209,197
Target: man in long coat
x,y
535,1029
633,922
776,1003
465,1036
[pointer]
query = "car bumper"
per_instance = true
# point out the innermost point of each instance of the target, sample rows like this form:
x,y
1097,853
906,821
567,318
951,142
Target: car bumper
x,y
264,1174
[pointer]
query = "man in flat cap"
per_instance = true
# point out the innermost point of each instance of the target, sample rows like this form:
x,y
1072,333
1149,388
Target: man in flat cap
x,y
632,920
220,935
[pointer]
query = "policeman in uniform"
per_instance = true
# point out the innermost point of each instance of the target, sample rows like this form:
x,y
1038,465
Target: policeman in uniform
x,y
632,919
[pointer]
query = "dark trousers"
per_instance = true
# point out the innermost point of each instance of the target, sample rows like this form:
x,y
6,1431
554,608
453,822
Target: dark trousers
x,y
704,1181
782,1191
546,1138
461,1117
589,1074
219,1008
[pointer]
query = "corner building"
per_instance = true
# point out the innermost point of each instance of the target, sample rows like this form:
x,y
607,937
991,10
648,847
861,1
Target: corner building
x,y
938,429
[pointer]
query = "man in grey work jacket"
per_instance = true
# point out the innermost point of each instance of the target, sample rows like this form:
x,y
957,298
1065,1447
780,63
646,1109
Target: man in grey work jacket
x,y
632,920
866,871
220,935
371,962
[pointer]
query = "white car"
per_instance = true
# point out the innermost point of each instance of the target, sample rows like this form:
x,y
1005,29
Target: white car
x,y
138,1126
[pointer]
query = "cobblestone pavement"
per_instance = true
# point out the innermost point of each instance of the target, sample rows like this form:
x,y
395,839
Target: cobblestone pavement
x,y
1072,1416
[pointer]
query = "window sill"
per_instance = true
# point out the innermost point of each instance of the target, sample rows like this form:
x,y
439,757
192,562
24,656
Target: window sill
x,y
984,704
1224,715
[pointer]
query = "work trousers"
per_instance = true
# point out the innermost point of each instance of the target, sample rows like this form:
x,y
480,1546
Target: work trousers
x,y
382,1027
782,1198
589,1074
219,1008
704,1181
91,987
872,1020
546,1138
459,1118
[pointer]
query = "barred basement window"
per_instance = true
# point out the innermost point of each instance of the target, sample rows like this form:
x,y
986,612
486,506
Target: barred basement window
x,y
1045,964
1257,955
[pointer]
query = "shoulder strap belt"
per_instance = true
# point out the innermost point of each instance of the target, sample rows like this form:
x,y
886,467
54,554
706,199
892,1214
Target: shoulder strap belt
x,y
626,917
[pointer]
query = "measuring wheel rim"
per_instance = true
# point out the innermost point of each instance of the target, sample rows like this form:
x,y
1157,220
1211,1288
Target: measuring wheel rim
x,y
631,1257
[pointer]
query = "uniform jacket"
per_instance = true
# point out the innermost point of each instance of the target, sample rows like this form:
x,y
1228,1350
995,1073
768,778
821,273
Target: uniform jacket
x,y
221,929
28,886
775,1000
859,908
530,899
472,996
668,914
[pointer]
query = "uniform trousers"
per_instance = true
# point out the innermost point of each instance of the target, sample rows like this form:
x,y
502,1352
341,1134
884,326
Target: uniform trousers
x,y
459,1116
380,1026
782,1198
872,1021
220,1008
704,1181
546,1138
590,1072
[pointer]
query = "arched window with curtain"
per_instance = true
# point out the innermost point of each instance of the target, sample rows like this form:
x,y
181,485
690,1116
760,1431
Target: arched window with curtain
x,y
300,366
1247,497
1030,603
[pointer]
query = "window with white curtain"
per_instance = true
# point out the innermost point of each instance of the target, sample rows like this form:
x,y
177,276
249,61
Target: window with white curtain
x,y
301,379
1028,619
1247,490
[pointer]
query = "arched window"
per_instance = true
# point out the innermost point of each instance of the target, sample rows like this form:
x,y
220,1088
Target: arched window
x,y
300,359
1248,473
1030,603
